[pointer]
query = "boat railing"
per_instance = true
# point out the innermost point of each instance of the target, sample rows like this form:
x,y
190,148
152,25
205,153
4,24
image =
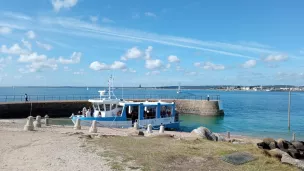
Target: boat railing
x,y
21,98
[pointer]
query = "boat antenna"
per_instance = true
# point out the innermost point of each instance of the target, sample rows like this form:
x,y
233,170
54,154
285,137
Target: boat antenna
x,y
110,83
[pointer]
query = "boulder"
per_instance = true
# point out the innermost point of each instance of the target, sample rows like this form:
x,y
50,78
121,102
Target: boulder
x,y
273,145
203,132
263,145
218,137
282,144
299,145
268,140
294,153
289,160
276,153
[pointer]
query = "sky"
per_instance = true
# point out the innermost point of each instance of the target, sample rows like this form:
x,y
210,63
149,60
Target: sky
x,y
152,43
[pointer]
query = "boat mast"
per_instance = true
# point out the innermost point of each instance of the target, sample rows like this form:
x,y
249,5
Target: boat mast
x,y
110,83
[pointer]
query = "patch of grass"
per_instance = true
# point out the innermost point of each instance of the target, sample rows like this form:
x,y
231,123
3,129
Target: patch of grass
x,y
165,153
116,166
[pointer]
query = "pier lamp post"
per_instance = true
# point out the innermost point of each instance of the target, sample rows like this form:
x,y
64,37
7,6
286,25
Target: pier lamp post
x,y
289,100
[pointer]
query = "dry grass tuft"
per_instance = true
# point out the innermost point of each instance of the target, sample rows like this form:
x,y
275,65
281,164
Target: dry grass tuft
x,y
166,153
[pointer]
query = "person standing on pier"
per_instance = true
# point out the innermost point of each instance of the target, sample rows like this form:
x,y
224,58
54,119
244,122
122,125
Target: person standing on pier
x,y
26,97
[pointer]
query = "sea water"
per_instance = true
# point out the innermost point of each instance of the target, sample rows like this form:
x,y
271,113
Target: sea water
x,y
259,113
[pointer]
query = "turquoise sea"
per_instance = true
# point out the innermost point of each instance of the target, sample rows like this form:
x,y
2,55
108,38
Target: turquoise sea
x,y
260,114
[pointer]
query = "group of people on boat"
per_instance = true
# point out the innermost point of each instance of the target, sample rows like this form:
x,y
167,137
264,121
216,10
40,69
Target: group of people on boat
x,y
88,112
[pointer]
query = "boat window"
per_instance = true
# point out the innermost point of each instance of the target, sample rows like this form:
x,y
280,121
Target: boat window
x,y
101,107
113,106
107,107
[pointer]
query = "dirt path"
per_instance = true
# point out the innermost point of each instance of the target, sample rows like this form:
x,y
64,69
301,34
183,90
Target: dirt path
x,y
45,149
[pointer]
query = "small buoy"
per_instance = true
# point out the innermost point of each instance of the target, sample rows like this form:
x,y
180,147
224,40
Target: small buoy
x,y
161,129
77,124
29,124
93,128
37,123
149,129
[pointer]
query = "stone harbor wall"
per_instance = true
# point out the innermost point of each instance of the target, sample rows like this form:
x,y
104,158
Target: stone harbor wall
x,y
51,108
66,108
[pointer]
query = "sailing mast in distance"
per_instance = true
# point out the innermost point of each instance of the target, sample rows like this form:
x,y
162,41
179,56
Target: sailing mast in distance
x,y
179,89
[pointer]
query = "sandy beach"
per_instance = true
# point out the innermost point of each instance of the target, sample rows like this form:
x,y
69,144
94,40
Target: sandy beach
x,y
60,147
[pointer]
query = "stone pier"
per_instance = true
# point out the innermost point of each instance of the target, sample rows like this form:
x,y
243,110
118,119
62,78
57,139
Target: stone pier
x,y
66,108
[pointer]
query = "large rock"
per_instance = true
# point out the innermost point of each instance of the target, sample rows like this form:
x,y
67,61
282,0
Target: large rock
x,y
263,145
299,145
282,144
218,137
287,159
294,153
203,132
276,153
268,143
268,140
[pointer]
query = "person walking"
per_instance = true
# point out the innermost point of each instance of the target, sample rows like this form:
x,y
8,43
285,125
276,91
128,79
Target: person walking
x,y
26,97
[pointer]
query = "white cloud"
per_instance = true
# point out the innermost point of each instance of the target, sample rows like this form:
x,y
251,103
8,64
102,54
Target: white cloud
x,y
44,46
150,14
276,58
179,68
27,44
17,16
33,57
75,58
107,20
15,50
153,73
31,34
118,65
4,62
5,30
81,28
168,66
80,72
37,62
132,53
249,64
40,66
99,66
173,59
66,69
197,64
58,4
94,19
148,52
153,64
102,66
209,66
191,73
129,70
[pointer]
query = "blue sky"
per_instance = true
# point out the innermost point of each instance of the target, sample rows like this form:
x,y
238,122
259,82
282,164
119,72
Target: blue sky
x,y
153,43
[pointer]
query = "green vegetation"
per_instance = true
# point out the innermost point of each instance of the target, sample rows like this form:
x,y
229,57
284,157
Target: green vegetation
x,y
165,153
